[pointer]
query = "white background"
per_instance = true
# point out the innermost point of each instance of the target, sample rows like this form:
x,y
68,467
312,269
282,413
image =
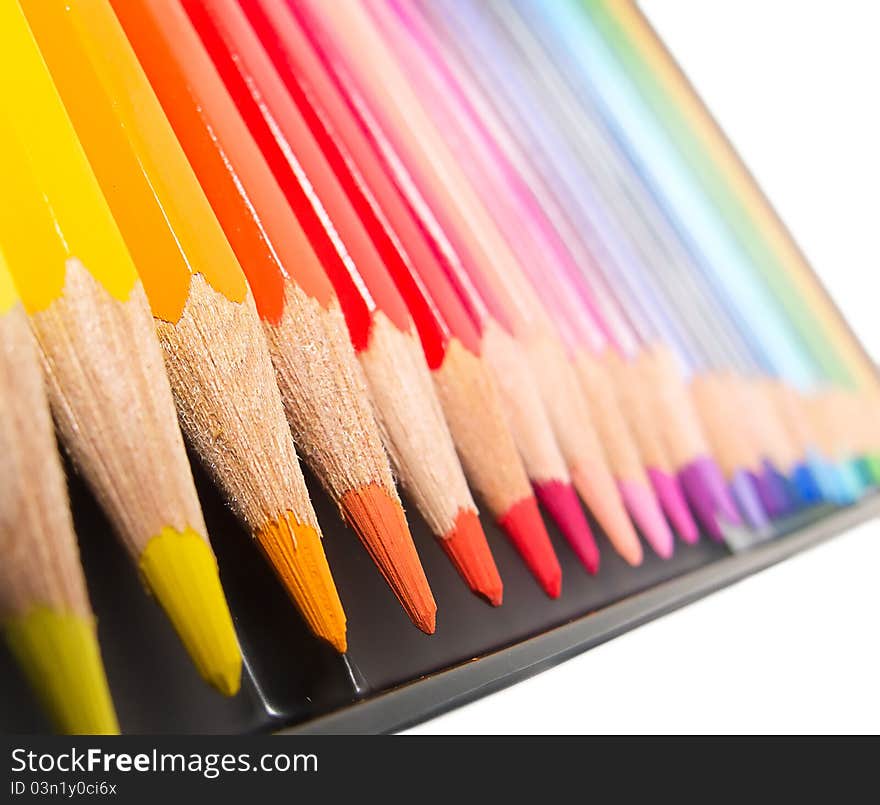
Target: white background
x,y
797,647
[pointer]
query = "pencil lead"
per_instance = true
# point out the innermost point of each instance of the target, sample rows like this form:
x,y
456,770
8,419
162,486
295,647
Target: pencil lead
x,y
59,654
467,549
704,487
379,520
523,524
563,505
180,569
601,495
297,555
645,511
671,496
807,483
745,488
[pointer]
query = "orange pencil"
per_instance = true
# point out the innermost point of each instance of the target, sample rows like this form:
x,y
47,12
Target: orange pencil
x,y
322,386
215,351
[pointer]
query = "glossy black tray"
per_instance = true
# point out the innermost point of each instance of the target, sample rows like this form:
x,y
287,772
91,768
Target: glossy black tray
x,y
396,675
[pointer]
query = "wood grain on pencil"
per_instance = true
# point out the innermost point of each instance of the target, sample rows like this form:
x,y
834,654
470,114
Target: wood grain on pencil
x,y
109,394
322,385
381,330
44,605
214,348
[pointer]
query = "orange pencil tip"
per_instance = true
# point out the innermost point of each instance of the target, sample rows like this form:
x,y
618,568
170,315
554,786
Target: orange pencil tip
x,y
468,550
379,521
297,555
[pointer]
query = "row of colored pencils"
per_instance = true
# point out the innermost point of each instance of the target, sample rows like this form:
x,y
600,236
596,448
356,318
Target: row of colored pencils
x,y
474,245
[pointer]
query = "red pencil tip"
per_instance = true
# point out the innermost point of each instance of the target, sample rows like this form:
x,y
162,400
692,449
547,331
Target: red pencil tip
x,y
562,504
523,524
467,549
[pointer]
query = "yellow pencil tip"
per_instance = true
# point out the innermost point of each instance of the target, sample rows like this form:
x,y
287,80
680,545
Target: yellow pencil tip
x,y
297,555
181,571
59,654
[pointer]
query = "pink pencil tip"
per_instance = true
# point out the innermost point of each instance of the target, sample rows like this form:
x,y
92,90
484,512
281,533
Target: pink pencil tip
x,y
671,496
645,511
562,504
600,493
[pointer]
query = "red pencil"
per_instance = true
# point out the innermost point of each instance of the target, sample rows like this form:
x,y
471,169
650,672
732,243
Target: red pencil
x,y
379,323
450,340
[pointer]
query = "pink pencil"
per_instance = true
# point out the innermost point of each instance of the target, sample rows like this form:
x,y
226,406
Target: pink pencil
x,y
622,417
356,42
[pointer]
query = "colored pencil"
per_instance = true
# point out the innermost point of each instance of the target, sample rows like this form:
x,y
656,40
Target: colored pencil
x,y
522,221
728,182
379,323
652,235
487,136
685,444
111,400
466,390
325,399
45,612
778,347
724,175
439,267
569,412
585,146
214,348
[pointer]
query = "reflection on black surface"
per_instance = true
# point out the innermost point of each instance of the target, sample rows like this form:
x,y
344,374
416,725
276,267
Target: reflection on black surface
x,y
290,676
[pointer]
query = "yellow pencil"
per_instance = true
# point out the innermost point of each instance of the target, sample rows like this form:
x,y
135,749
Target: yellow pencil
x,y
215,349
108,392
44,604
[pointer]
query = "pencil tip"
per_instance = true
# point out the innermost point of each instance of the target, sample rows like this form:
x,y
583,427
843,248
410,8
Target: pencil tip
x,y
706,491
645,511
599,492
562,503
180,569
671,497
523,525
379,521
297,555
746,492
468,550
59,655
808,483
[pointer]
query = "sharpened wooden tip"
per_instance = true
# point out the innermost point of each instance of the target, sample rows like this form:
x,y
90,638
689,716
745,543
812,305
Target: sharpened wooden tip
x,y
59,654
468,550
180,569
379,521
523,524
297,555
